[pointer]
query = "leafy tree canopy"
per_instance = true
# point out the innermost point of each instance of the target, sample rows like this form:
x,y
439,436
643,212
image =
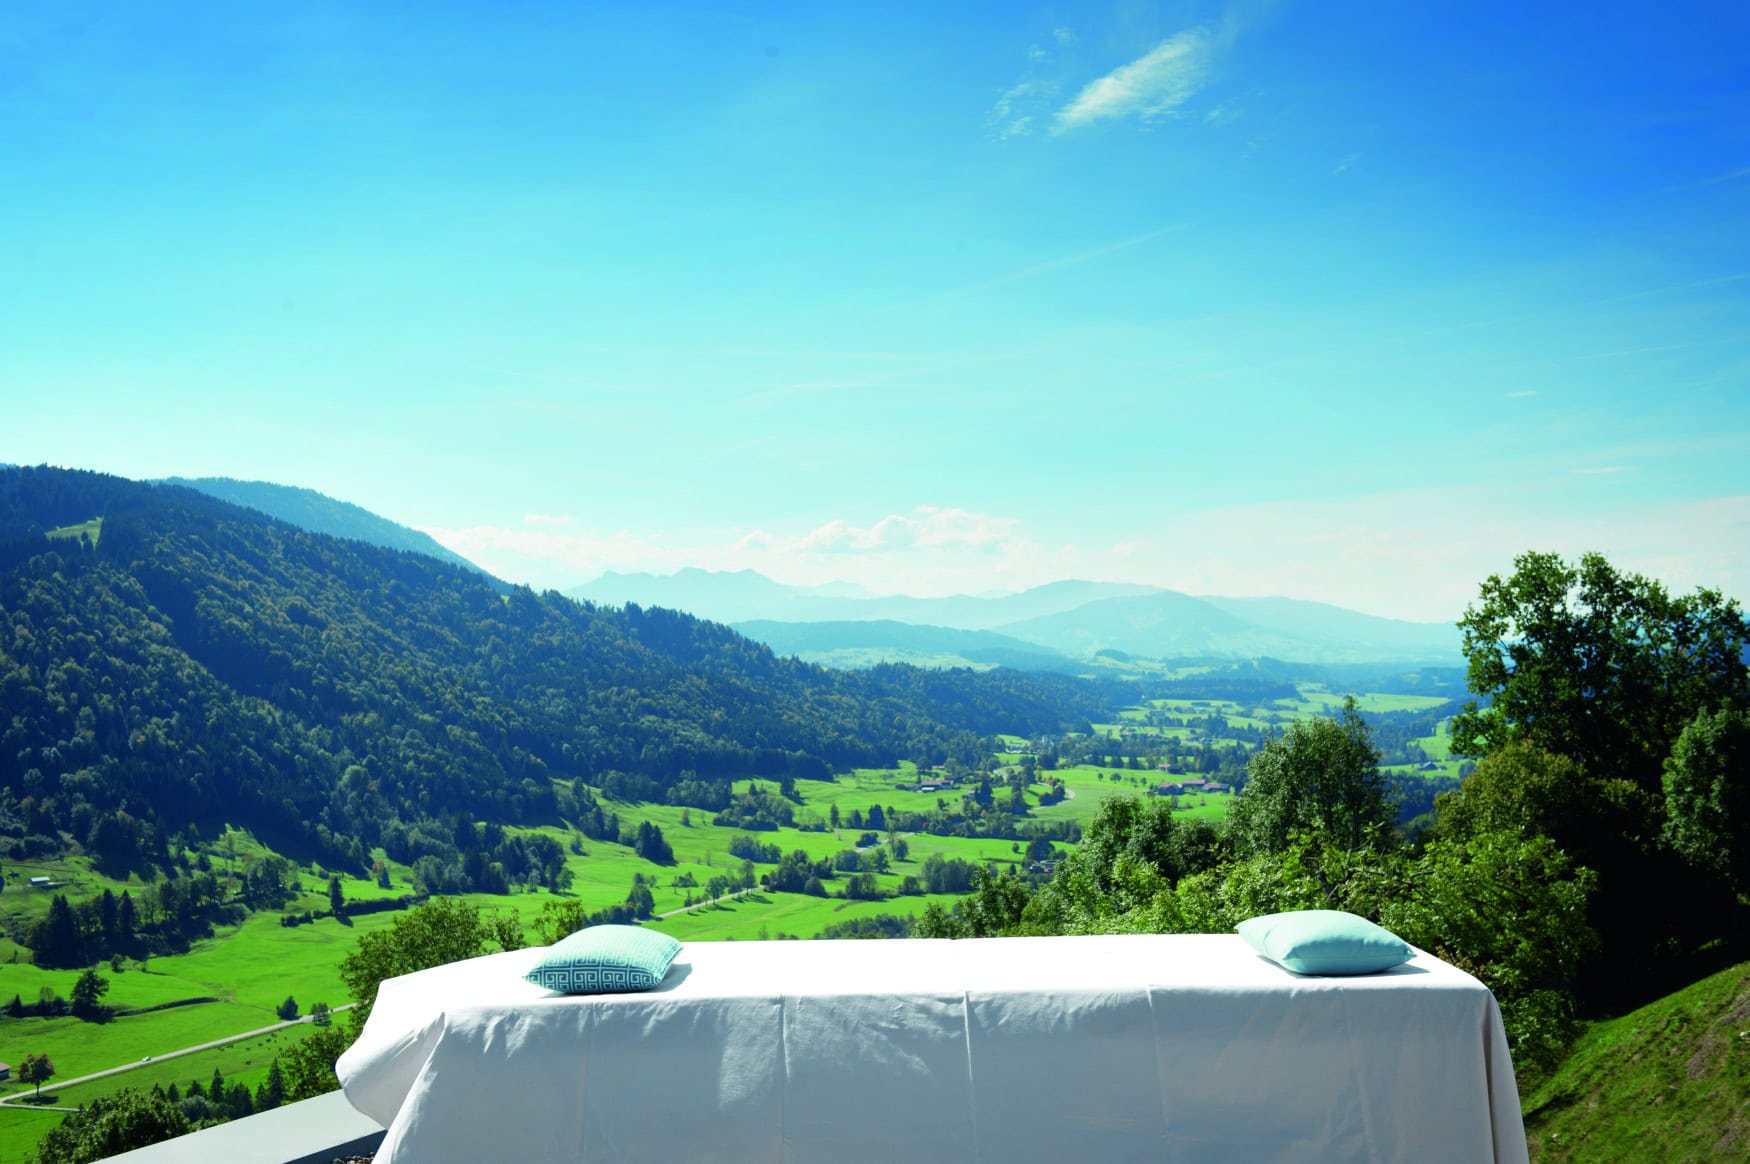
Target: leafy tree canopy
x,y
1603,667
1321,774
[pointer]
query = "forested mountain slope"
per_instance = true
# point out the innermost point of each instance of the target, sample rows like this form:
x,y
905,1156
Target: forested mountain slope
x,y
319,513
204,663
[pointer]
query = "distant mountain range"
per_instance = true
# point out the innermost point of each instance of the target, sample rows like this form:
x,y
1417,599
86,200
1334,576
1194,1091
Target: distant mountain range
x,y
746,595
1049,627
319,513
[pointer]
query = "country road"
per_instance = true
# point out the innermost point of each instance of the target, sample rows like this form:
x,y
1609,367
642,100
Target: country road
x,y
59,1083
702,904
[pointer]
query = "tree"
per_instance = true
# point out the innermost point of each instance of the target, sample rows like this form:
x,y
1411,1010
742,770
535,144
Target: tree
x,y
36,1069
111,1125
336,897
87,991
272,1091
1608,670
56,940
1707,796
1523,790
319,1014
442,930
1512,911
1602,667
1322,775
288,1010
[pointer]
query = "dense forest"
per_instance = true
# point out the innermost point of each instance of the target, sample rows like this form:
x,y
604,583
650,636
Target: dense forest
x,y
198,663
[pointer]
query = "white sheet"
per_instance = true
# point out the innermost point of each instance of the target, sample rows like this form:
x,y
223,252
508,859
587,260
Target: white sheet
x,y
1162,1048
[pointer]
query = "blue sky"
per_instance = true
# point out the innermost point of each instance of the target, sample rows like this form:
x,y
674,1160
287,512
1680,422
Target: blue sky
x,y
1341,301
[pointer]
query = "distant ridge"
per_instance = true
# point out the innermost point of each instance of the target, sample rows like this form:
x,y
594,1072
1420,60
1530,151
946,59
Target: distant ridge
x,y
1043,628
746,595
1170,624
319,513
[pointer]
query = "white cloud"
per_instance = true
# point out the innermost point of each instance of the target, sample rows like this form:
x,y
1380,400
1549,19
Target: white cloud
x,y
926,527
1154,85
546,519
1016,109
1063,36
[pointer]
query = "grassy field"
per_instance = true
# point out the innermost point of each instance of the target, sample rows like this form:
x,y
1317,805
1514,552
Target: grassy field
x,y
1439,745
92,529
1094,784
1668,1082
20,1129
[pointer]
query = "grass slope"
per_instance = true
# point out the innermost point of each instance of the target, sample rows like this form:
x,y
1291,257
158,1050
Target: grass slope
x,y
1669,1082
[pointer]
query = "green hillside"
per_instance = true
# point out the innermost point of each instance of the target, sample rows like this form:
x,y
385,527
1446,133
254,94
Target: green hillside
x,y
1669,1082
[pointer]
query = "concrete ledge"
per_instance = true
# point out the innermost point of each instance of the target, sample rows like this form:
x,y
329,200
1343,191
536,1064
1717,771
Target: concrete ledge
x,y
313,1131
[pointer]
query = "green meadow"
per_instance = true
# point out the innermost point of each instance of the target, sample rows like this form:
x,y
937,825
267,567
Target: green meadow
x,y
92,529
21,1128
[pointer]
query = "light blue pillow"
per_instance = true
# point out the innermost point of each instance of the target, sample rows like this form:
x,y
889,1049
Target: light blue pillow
x,y
605,960
1325,941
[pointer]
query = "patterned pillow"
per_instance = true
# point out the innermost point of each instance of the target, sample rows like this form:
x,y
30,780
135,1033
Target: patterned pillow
x,y
605,960
1325,941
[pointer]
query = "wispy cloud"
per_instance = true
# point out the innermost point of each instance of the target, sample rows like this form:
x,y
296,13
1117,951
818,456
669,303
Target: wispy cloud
x,y
1015,111
1058,264
1154,85
1737,175
1600,470
546,519
1522,394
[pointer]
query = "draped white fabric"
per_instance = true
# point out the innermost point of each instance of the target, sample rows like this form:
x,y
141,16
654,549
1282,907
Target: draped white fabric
x,y
1178,1048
